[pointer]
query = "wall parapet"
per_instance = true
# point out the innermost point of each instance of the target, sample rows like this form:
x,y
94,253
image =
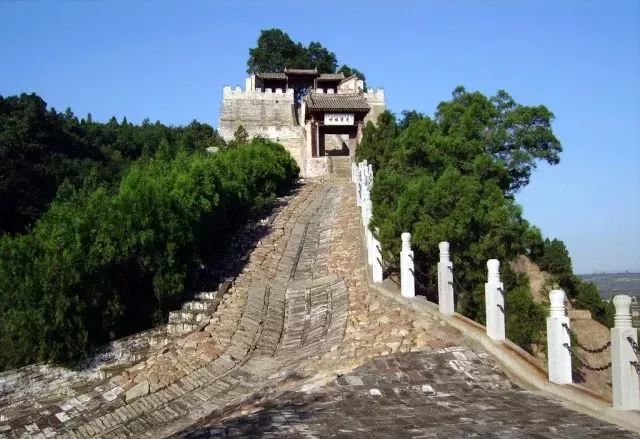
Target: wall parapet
x,y
229,92
375,94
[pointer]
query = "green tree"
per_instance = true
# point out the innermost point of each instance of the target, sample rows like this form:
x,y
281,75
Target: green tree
x,y
104,262
377,141
515,136
588,297
445,179
40,148
555,258
350,71
525,320
275,51
409,117
321,58
240,135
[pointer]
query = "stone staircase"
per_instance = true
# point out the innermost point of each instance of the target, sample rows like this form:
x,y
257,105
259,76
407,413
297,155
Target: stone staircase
x,y
340,167
195,313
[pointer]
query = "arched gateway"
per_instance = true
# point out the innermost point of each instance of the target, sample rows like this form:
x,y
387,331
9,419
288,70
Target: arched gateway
x,y
318,117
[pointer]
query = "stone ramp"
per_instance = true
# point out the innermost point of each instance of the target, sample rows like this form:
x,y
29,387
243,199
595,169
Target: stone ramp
x,y
300,344
251,360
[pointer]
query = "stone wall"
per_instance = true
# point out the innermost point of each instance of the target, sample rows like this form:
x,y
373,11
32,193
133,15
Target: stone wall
x,y
271,114
255,110
268,114
375,99
316,167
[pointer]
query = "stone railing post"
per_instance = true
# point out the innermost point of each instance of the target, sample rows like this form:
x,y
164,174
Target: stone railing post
x,y
368,236
377,259
624,378
354,172
364,196
494,301
359,184
559,356
445,281
407,282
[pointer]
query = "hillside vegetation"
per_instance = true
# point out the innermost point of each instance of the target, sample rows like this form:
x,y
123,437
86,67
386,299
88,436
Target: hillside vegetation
x,y
40,148
453,177
110,256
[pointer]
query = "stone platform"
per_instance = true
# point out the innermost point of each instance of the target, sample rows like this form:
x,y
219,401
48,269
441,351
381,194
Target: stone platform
x,y
299,346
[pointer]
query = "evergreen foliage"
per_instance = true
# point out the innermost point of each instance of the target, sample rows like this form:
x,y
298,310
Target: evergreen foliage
x,y
40,148
453,178
103,262
275,51
349,71
240,137
554,258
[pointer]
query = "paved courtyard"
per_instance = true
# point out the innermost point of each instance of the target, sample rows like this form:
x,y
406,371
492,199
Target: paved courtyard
x,y
299,346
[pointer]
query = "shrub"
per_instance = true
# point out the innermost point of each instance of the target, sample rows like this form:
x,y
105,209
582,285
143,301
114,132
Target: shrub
x,y
102,263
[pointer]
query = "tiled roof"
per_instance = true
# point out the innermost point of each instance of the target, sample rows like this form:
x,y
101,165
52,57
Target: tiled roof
x,y
301,71
346,102
311,72
271,75
331,77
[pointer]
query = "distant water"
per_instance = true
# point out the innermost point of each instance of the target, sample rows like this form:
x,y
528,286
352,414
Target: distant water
x,y
610,284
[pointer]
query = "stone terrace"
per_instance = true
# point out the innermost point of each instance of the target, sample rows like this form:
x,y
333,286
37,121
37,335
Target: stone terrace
x,y
299,346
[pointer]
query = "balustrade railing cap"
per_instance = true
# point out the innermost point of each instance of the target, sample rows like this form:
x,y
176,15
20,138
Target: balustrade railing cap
x,y
622,302
493,265
556,297
406,238
444,247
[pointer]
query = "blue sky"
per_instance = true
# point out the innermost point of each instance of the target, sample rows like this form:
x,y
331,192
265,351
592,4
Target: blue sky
x,y
168,60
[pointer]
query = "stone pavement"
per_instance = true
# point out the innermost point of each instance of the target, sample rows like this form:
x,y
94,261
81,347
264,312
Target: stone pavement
x,y
293,326
452,392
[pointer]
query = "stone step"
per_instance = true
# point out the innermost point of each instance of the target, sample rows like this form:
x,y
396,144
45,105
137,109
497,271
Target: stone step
x,y
181,328
188,316
341,167
159,341
200,305
206,295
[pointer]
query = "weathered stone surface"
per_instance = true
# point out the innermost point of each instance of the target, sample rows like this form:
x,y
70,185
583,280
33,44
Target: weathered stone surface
x,y
456,392
294,324
137,391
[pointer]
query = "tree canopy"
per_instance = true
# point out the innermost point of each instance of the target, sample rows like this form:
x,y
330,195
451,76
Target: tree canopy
x,y
104,262
40,148
275,50
453,178
106,226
